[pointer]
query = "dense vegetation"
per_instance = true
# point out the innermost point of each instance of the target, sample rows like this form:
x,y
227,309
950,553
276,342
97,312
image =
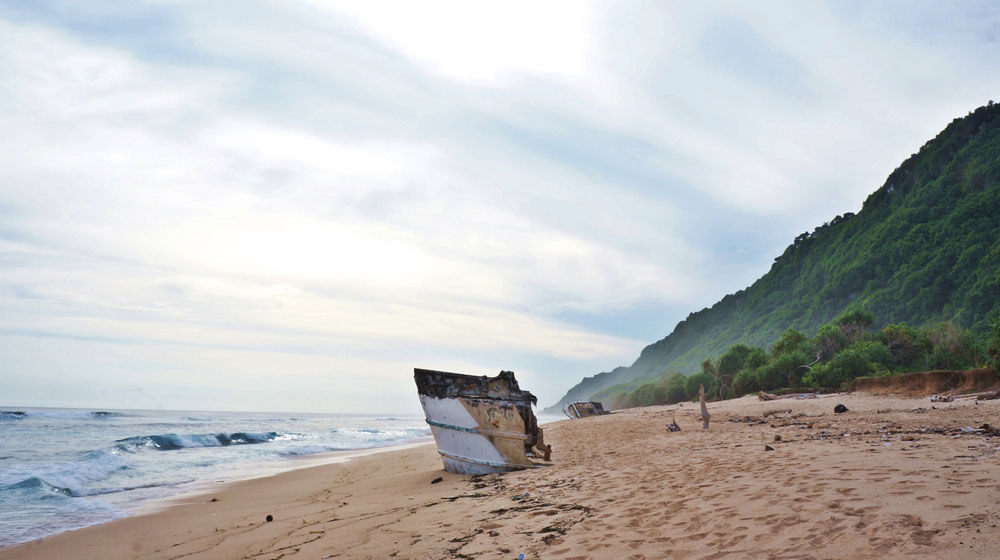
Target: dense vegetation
x,y
840,351
923,250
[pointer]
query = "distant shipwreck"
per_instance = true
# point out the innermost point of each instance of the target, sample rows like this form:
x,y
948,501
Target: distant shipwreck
x,y
582,409
481,424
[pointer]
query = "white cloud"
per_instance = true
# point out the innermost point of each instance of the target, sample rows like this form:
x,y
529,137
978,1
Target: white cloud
x,y
253,226
351,189
483,43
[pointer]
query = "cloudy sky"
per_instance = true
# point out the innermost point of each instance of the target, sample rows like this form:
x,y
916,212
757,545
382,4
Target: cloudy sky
x,y
289,205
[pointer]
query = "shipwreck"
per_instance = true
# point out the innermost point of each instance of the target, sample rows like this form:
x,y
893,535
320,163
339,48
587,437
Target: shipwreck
x,y
480,424
582,409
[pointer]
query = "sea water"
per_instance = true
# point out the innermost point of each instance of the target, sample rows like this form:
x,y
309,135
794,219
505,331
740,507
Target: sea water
x,y
62,469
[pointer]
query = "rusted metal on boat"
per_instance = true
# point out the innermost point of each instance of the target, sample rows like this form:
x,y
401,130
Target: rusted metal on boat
x,y
582,409
480,424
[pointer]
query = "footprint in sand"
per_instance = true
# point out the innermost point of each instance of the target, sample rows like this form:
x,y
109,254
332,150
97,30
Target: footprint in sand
x,y
732,542
924,537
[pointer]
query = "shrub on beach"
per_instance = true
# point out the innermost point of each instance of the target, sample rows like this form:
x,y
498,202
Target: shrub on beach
x,y
952,347
828,341
787,370
874,352
692,383
746,381
906,344
845,366
649,394
676,388
993,346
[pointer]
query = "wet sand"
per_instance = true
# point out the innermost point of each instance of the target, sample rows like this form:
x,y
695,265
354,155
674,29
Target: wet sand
x,y
891,478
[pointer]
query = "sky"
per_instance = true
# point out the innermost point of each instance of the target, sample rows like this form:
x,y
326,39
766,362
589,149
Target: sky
x,y
287,206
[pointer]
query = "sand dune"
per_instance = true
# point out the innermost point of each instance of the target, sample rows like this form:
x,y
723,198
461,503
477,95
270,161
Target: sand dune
x,y
891,478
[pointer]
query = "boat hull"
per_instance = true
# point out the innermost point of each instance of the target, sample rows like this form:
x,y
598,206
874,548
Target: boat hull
x,y
583,409
481,425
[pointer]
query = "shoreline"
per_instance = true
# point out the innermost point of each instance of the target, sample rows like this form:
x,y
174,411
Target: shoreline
x,y
229,501
198,489
65,469
892,477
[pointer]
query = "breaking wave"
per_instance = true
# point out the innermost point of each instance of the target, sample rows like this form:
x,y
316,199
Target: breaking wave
x,y
36,488
105,414
65,479
169,442
62,414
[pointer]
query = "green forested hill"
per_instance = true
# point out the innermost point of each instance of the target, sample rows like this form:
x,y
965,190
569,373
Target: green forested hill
x,y
925,247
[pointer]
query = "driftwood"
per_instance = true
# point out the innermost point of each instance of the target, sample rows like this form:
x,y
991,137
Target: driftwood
x,y
704,407
772,397
776,411
545,451
542,449
799,396
983,396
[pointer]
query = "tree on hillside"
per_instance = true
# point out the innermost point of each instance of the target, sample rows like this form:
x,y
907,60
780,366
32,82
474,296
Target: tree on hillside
x,y
829,340
854,324
906,344
875,353
993,346
748,381
785,370
708,368
738,357
748,376
697,380
791,341
845,366
952,347
676,387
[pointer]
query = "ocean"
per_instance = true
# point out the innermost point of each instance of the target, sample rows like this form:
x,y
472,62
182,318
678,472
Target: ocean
x,y
63,469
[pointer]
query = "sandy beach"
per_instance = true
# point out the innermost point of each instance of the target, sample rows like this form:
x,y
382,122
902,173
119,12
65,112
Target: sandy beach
x,y
892,477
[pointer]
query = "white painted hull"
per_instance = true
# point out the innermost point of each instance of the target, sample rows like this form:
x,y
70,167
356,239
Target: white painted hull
x,y
465,447
481,424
